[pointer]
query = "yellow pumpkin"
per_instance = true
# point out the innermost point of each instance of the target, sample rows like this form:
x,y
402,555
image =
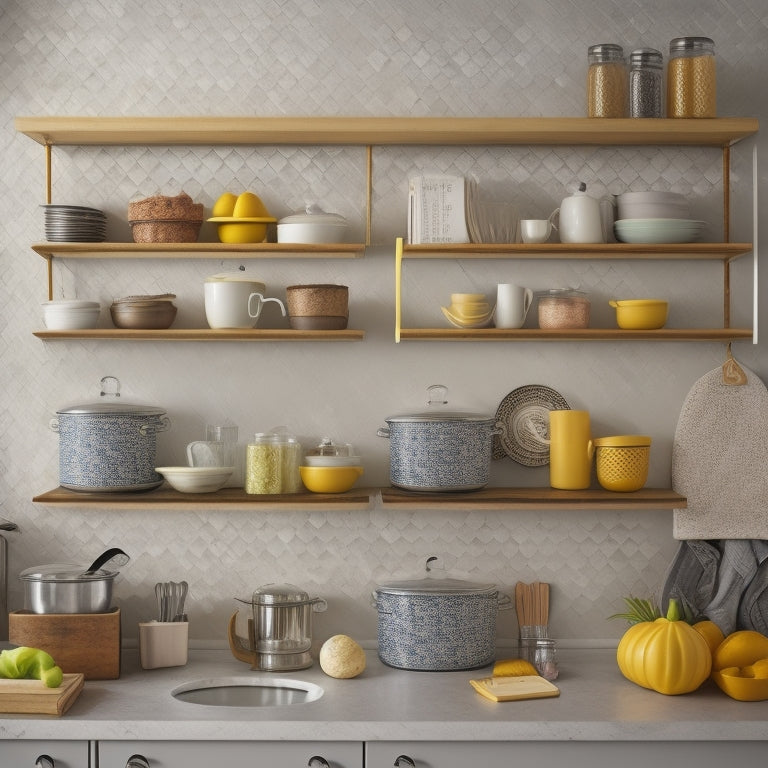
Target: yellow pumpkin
x,y
666,655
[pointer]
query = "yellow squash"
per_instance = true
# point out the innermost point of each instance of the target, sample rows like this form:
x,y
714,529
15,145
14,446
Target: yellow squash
x,y
666,655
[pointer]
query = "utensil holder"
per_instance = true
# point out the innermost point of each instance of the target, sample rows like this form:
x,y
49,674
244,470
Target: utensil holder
x,y
163,643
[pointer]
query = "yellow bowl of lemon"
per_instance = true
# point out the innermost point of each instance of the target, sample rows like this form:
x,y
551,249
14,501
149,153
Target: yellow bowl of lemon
x,y
241,218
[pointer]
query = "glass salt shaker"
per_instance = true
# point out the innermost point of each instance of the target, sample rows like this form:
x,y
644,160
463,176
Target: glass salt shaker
x,y
606,81
645,83
545,658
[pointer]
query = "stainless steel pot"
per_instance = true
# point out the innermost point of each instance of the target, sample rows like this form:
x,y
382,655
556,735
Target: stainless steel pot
x,y
66,588
437,625
109,445
440,450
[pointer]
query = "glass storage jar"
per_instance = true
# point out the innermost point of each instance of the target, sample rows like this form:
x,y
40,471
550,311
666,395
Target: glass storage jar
x,y
563,308
606,81
691,82
263,464
645,83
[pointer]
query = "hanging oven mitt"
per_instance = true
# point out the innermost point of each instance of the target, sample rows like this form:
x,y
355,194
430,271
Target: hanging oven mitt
x,y
719,456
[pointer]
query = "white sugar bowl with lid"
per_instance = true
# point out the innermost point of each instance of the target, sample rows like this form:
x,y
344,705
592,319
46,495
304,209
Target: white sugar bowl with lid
x,y
313,225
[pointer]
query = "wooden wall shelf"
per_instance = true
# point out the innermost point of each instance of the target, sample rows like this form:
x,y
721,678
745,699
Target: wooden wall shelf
x,y
201,334
501,499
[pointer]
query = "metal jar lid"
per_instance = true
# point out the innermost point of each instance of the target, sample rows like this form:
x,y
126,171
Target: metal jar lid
x,y
64,572
692,46
605,53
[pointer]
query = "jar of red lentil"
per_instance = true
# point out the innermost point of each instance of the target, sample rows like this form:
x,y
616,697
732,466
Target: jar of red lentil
x,y
606,81
691,84
563,308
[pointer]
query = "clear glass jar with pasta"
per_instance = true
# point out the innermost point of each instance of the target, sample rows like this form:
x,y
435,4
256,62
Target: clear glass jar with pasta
x,y
691,80
606,81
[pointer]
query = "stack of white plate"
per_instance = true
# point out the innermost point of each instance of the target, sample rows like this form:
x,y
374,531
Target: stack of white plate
x,y
74,224
658,230
70,314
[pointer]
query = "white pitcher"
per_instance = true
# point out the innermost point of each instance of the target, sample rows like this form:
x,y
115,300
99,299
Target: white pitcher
x,y
582,218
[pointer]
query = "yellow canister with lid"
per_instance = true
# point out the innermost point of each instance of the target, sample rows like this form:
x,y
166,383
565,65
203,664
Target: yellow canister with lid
x,y
622,461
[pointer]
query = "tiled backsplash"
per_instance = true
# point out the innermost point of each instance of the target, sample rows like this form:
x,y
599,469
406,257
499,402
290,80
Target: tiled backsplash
x,y
346,57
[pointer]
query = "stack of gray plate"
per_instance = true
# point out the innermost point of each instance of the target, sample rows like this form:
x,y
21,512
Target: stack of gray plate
x,y
74,224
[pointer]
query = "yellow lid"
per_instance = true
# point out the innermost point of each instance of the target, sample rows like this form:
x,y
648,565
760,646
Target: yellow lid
x,y
621,441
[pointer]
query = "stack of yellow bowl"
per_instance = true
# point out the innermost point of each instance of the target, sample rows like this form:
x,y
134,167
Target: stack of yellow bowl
x,y
241,218
469,310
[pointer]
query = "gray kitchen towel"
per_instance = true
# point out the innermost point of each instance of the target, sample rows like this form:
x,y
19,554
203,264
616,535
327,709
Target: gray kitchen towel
x,y
753,609
692,577
719,460
738,566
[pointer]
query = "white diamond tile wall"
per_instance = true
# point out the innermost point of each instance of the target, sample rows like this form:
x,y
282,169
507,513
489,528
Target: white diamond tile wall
x,y
347,57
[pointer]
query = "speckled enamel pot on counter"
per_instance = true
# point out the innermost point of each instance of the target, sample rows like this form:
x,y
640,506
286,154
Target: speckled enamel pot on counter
x,y
437,625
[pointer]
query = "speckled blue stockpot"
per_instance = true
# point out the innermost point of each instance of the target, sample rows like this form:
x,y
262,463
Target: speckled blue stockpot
x,y
109,448
437,631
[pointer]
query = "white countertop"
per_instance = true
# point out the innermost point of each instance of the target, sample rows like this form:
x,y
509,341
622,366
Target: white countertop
x,y
595,704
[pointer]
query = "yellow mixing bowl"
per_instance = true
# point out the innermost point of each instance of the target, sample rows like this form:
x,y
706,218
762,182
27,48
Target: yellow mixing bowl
x,y
233,230
329,479
640,314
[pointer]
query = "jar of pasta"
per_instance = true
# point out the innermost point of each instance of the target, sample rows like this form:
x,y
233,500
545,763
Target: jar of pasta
x,y
691,85
606,81
263,464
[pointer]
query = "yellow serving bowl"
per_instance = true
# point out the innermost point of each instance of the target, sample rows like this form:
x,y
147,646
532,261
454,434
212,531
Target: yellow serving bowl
x,y
640,314
330,479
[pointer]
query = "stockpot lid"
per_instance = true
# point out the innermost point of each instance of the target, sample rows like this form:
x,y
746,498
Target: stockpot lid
x,y
437,400
433,586
64,572
111,405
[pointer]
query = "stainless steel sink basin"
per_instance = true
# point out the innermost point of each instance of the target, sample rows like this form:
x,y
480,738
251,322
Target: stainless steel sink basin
x,y
247,692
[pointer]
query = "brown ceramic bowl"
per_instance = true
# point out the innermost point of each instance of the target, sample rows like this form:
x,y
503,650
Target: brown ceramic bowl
x,y
319,323
148,315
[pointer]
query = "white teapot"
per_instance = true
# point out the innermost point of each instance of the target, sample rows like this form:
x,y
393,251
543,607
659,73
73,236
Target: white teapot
x,y
582,218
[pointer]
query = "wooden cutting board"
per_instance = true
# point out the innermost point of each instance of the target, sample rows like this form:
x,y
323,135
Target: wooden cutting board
x,y
31,697
514,688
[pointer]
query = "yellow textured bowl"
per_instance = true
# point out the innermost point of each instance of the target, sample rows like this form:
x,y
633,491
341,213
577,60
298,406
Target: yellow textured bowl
x,y
329,479
622,462
232,230
640,314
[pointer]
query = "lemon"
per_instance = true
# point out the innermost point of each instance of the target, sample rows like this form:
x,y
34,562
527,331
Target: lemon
x,y
249,206
513,668
225,205
342,657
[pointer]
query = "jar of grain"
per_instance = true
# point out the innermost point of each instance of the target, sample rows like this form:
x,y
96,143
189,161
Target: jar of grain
x,y
645,83
691,84
606,81
263,464
563,308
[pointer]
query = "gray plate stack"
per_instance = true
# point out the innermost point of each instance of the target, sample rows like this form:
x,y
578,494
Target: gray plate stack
x,y
74,224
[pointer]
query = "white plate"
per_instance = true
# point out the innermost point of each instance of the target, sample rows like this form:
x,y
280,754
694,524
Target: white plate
x,y
658,230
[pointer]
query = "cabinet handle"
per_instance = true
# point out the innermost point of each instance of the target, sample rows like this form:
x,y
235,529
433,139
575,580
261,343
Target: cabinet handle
x,y
137,761
318,762
45,761
404,760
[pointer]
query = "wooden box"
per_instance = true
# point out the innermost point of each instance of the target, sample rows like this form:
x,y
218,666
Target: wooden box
x,y
79,642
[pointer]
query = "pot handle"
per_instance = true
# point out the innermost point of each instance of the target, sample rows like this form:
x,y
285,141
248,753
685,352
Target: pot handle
x,y
152,429
319,604
383,431
54,425
504,601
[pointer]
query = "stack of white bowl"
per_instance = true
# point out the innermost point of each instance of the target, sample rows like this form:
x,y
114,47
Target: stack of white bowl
x,y
70,314
655,217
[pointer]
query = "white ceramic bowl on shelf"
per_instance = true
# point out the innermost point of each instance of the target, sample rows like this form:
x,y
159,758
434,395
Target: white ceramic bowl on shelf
x,y
70,314
196,479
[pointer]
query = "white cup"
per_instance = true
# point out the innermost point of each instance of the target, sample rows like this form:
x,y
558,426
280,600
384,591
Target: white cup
x,y
232,302
512,305
535,230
